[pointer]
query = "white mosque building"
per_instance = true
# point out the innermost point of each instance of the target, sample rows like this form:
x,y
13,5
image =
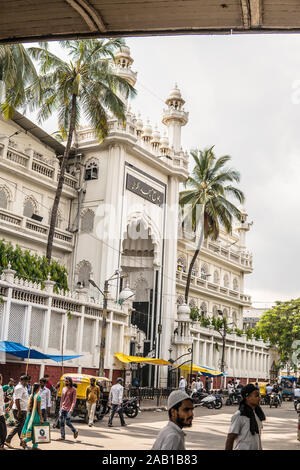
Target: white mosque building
x,y
119,212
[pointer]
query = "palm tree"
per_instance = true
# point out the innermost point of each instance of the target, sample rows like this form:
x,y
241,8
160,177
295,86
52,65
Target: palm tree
x,y
87,83
209,207
17,71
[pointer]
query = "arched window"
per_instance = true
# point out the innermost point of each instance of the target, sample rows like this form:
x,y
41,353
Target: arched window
x,y
235,284
216,277
29,208
181,264
203,308
226,280
3,199
84,271
87,221
234,318
91,170
180,300
195,270
215,311
225,313
192,303
204,272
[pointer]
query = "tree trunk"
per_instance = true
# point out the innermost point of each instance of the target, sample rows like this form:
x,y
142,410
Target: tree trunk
x,y
61,181
196,253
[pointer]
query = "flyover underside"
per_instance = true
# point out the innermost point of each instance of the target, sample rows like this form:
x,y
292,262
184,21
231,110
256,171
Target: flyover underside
x,y
31,20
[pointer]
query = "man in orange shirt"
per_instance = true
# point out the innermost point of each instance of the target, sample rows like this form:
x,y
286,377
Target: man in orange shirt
x,y
92,399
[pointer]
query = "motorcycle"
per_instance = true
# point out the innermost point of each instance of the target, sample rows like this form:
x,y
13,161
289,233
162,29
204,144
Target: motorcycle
x,y
234,398
297,404
274,400
209,401
130,407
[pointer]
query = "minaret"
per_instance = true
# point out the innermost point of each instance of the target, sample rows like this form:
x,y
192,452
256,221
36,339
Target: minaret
x,y
243,228
174,117
123,62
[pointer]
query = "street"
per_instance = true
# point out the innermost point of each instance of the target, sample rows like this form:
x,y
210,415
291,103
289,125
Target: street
x,y
208,432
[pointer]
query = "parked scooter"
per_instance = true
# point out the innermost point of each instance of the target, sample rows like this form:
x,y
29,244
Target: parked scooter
x,y
208,400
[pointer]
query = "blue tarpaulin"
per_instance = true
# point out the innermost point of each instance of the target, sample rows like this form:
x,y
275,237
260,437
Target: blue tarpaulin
x,y
18,350
292,378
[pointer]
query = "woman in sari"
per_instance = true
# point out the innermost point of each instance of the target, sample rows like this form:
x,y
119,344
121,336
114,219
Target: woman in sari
x,y
8,402
34,417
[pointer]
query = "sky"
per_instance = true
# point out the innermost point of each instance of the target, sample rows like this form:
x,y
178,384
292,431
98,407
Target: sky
x,y
242,93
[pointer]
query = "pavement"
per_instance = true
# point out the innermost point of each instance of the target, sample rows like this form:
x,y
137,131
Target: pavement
x,y
208,432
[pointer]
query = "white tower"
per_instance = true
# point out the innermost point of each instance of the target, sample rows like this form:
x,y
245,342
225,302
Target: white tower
x,y
123,62
174,117
243,228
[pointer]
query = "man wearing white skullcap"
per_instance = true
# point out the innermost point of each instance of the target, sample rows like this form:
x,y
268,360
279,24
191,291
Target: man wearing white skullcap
x,y
180,408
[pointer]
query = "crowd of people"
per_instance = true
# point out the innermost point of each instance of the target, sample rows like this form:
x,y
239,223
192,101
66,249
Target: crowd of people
x,y
244,431
24,406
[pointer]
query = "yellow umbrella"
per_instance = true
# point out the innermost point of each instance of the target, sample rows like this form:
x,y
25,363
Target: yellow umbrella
x,y
145,360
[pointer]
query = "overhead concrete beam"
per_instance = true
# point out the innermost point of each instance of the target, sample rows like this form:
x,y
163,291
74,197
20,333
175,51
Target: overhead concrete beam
x,y
256,13
246,14
89,15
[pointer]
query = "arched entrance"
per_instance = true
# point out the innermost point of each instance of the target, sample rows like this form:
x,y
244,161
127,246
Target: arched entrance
x,y
140,260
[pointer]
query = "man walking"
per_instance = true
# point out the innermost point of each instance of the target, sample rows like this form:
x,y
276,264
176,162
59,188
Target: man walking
x,y
45,395
3,429
208,384
20,402
67,404
180,408
92,399
246,423
115,400
182,384
199,385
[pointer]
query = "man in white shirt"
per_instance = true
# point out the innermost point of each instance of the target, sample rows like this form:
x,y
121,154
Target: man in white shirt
x,y
115,400
230,387
45,395
180,408
199,385
20,399
182,384
3,429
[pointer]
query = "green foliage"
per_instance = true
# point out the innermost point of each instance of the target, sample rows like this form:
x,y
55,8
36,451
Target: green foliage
x,y
219,323
281,327
32,267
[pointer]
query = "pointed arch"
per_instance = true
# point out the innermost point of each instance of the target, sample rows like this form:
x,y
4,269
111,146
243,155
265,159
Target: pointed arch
x,y
5,197
139,222
83,273
30,206
87,220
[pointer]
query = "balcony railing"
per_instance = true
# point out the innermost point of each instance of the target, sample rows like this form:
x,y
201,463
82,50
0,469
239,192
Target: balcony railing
x,y
10,219
38,164
242,258
197,282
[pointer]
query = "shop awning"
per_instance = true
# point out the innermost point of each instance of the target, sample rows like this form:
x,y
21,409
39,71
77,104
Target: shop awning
x,y
18,350
206,371
141,360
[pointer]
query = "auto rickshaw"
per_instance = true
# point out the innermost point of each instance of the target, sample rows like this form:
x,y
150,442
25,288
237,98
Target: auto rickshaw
x,y
262,389
82,382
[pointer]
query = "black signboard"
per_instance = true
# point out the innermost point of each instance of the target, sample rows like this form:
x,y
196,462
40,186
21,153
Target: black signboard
x,y
144,190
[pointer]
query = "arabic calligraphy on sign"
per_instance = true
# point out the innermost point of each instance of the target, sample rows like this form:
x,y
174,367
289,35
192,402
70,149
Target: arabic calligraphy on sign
x,y
144,190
